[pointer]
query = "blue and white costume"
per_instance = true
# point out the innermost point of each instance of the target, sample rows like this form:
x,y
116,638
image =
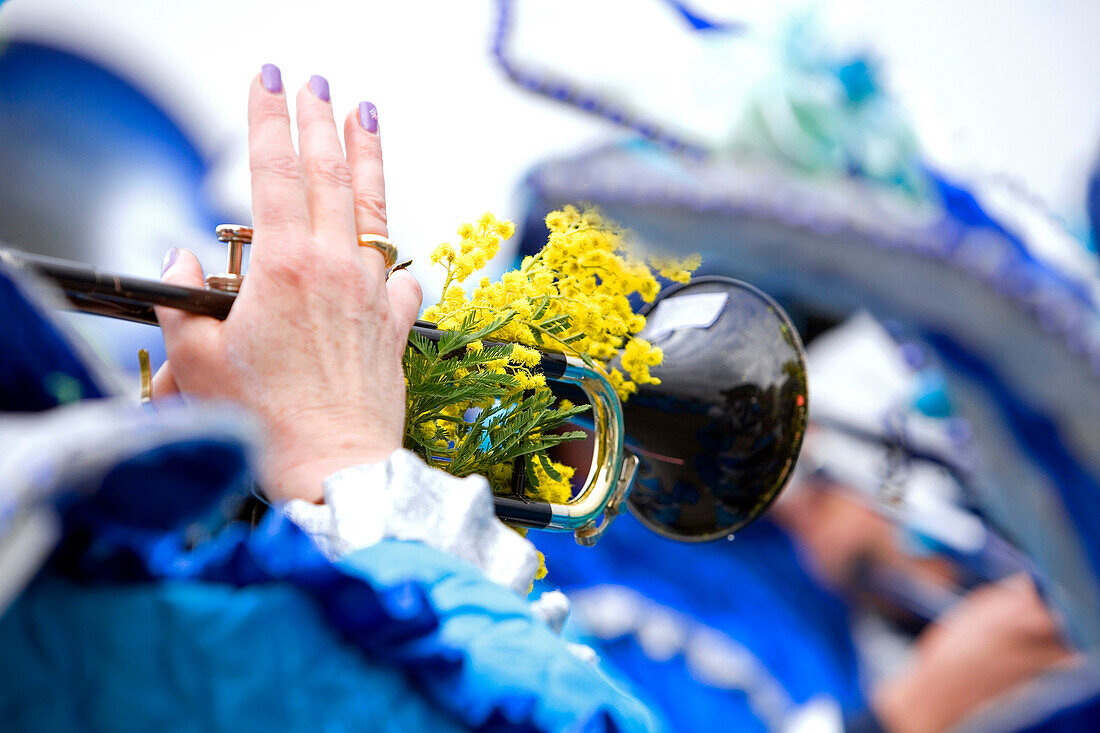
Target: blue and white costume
x,y
147,615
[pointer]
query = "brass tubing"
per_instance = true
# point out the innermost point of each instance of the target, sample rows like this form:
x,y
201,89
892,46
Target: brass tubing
x,y
118,296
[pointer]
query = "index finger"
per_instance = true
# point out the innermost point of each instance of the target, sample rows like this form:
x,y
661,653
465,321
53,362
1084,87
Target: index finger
x,y
278,193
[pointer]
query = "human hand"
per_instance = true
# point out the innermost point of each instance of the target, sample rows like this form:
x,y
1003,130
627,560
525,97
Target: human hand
x,y
314,343
999,636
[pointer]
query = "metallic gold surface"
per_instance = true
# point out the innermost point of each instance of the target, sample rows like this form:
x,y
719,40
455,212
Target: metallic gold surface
x,y
235,236
382,244
146,376
609,464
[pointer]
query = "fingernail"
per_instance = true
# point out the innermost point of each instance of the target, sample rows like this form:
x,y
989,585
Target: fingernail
x,y
368,116
271,78
319,86
170,257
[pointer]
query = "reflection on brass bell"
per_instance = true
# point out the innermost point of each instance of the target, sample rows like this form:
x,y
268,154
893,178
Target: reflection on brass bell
x,y
236,236
719,436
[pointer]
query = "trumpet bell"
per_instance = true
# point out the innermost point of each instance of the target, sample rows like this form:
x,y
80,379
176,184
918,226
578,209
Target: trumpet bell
x,y
718,438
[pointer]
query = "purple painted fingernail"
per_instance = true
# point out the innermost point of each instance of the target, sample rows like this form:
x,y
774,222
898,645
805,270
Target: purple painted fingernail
x,y
368,116
319,86
169,259
271,78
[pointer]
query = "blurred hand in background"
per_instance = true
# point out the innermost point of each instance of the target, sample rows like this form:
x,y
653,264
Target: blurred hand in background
x,y
1000,636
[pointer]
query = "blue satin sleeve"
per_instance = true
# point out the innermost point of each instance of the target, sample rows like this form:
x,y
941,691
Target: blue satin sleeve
x,y
196,654
191,656
517,673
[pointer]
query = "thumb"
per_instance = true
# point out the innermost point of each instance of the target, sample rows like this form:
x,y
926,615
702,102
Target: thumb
x,y
184,332
164,382
404,294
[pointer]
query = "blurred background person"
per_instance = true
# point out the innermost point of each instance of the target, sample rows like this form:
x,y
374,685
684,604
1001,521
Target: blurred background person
x,y
819,184
869,593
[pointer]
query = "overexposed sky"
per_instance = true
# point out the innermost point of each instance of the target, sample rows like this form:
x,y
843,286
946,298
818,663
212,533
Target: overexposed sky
x,y
994,86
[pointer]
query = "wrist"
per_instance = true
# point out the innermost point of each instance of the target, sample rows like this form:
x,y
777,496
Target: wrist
x,y
299,472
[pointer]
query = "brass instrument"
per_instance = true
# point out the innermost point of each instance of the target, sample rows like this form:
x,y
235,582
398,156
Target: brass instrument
x,y
709,449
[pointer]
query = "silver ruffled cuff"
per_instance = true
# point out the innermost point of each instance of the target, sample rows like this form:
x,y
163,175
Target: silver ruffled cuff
x,y
403,498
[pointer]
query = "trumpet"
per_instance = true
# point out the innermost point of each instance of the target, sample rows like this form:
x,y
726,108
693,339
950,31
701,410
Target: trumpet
x,y
706,452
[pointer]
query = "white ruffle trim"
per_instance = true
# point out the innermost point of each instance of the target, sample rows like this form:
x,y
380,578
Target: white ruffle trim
x,y
403,498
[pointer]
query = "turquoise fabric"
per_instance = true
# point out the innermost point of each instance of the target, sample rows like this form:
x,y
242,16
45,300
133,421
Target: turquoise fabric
x,y
515,664
198,655
191,656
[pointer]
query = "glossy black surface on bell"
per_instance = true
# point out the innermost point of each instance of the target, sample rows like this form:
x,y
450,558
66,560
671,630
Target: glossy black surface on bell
x,y
720,435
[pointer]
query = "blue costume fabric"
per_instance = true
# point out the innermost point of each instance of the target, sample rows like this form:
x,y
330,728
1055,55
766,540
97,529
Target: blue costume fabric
x,y
133,626
40,369
444,651
751,591
191,656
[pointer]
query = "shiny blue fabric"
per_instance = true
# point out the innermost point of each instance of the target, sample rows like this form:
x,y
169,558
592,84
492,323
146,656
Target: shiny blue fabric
x,y
699,23
163,486
752,589
58,100
184,655
1038,437
374,617
961,206
398,637
518,673
470,645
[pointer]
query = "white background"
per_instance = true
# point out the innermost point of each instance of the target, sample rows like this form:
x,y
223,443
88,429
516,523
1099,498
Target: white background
x,y
995,86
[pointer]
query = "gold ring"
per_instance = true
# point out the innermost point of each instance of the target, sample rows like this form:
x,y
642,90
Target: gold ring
x,y
382,244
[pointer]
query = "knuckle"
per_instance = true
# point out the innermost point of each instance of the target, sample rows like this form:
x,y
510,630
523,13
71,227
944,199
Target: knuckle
x,y
341,268
269,112
281,220
350,278
268,164
367,148
413,291
292,267
371,202
1039,623
355,292
381,317
329,169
